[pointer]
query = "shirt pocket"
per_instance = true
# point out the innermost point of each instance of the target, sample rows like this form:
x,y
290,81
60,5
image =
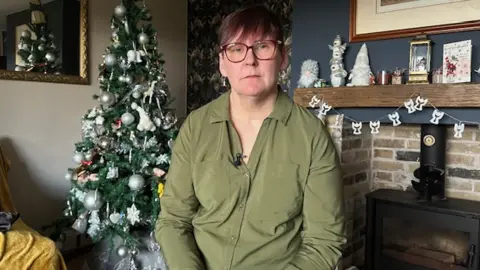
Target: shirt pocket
x,y
211,183
281,196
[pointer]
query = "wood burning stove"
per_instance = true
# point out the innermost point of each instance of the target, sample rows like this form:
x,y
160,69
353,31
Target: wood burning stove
x,y
431,173
421,229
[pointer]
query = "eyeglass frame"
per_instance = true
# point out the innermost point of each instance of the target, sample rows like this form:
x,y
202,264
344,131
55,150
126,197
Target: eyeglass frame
x,y
276,42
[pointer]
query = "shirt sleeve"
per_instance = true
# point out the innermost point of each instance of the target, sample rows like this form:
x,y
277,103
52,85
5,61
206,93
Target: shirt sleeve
x,y
324,233
174,230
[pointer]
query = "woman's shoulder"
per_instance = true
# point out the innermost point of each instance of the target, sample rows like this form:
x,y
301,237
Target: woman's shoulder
x,y
205,112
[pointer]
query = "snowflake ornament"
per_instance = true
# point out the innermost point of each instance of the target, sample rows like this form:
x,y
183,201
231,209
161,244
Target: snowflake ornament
x,y
133,214
162,159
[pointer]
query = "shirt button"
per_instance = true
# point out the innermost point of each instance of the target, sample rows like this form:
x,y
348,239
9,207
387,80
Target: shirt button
x,y
246,175
234,237
242,205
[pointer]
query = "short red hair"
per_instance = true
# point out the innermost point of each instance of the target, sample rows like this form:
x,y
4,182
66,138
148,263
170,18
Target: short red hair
x,y
248,21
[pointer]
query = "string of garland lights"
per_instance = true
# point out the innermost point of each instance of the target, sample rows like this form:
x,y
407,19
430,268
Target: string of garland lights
x,y
413,104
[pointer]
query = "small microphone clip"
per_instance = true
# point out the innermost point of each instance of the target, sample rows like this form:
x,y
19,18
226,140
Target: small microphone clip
x,y
238,160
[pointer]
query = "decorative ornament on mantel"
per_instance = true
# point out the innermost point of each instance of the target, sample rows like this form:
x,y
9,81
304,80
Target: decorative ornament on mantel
x,y
308,74
338,73
415,103
361,73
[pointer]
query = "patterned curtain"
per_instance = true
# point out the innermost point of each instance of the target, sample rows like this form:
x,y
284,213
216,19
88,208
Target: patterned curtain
x,y
204,18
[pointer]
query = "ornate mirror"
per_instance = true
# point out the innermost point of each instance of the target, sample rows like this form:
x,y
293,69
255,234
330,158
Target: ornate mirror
x,y
44,40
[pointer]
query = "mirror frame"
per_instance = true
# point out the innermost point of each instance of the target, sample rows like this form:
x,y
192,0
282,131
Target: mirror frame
x,y
82,78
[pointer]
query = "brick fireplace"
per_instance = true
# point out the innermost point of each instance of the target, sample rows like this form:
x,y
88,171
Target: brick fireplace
x,y
387,160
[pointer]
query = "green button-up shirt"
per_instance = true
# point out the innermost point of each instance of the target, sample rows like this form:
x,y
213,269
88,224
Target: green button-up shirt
x,y
284,209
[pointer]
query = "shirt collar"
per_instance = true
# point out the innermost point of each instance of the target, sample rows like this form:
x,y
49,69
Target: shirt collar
x,y
281,111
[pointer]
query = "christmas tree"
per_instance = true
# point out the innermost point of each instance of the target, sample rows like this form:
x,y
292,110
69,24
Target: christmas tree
x,y
122,160
37,45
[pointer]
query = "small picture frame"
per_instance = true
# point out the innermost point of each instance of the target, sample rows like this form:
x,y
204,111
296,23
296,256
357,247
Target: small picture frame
x,y
420,58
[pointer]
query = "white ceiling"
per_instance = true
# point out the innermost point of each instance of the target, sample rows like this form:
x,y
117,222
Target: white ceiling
x,y
12,6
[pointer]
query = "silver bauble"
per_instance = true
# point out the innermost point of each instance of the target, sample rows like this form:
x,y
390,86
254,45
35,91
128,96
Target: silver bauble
x,y
121,78
128,79
168,120
136,94
80,224
127,118
78,157
136,182
120,11
50,57
41,47
88,156
143,38
53,46
107,98
101,79
122,251
104,142
93,200
26,34
110,59
51,36
19,68
115,34
44,39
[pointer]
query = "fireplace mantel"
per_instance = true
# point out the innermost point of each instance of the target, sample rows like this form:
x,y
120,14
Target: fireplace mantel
x,y
461,95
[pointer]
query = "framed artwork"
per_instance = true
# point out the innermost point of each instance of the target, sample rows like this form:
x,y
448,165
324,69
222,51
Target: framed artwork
x,y
386,19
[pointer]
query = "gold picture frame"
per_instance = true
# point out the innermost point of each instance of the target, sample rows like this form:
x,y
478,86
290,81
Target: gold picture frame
x,y
369,21
83,77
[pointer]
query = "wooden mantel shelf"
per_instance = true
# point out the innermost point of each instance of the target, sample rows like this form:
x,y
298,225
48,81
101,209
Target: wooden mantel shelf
x,y
464,95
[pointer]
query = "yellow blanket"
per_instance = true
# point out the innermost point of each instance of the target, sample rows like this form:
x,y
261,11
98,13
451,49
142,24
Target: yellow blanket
x,y
23,248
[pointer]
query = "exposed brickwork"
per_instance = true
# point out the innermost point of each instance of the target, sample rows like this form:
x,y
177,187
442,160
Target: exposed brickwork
x,y
387,160
355,153
396,170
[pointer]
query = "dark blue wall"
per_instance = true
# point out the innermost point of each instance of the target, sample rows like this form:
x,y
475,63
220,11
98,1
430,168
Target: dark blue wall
x,y
315,25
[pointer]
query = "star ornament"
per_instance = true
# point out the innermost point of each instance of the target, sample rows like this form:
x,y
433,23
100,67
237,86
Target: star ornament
x,y
133,214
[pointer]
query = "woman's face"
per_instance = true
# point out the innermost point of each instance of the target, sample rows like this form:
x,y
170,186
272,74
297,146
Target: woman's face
x,y
252,76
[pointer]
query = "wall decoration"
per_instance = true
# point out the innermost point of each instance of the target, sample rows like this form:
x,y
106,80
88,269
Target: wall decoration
x,y
385,19
457,62
204,82
394,5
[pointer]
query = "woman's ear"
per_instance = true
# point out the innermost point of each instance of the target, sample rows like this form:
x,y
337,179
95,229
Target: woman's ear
x,y
221,64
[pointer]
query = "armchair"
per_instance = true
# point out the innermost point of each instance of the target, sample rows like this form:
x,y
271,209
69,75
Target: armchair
x,y
23,247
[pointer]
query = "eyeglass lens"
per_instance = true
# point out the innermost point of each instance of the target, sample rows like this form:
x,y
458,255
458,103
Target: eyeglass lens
x,y
263,50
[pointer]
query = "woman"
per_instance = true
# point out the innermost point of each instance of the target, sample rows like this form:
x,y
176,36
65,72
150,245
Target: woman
x,y
254,182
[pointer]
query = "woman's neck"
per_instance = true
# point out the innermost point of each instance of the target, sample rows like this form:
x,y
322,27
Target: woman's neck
x,y
252,108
